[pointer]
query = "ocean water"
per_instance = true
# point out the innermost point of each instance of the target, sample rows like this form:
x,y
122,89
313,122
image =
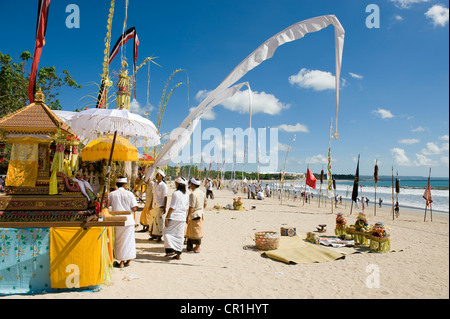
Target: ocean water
x,y
410,195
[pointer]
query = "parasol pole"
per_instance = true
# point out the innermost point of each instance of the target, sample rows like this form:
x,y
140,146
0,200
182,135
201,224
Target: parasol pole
x,y
107,173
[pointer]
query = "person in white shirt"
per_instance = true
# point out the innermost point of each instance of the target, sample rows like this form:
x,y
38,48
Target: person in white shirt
x,y
176,220
125,242
260,195
209,188
160,192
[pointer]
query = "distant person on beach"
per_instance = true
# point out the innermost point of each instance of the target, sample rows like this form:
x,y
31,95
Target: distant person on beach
x,y
396,209
379,202
260,195
367,201
209,189
268,192
125,241
194,219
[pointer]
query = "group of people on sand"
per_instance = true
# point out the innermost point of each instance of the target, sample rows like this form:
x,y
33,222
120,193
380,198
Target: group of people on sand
x,y
179,223
255,191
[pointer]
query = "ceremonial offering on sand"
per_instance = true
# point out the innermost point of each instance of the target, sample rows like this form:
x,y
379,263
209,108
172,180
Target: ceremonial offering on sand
x,y
237,204
288,231
341,225
379,238
312,238
267,240
359,230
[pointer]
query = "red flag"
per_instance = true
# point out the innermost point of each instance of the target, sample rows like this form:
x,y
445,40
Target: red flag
x,y
427,194
41,27
310,179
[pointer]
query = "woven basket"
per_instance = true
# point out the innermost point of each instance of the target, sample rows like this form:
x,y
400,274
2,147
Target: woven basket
x,y
267,240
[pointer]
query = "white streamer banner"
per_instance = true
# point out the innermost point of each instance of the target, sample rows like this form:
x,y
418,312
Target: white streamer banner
x,y
264,52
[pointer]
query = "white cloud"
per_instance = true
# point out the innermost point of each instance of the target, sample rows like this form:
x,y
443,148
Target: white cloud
x,y
201,95
383,113
406,4
209,115
293,128
398,17
282,147
401,159
438,14
422,160
313,79
136,107
317,159
444,160
409,141
434,149
356,76
418,129
261,103
444,138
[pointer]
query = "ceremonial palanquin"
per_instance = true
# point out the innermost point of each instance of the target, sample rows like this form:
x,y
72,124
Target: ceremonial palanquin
x,y
44,152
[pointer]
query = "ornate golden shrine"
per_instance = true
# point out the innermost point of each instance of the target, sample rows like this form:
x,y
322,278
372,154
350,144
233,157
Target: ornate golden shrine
x,y
36,180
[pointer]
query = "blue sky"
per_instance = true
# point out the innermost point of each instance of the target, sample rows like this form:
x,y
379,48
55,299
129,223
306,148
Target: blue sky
x,y
394,97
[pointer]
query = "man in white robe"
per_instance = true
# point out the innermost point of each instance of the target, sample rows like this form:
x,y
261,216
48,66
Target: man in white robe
x,y
125,242
160,193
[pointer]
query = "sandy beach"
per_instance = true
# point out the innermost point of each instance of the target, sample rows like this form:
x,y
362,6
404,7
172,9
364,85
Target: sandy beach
x,y
229,267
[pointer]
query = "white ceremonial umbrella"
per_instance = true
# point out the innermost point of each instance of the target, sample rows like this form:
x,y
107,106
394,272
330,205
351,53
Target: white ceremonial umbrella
x,y
120,122
89,123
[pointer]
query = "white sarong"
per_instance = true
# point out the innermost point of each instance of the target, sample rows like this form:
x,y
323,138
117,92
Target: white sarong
x,y
125,243
174,235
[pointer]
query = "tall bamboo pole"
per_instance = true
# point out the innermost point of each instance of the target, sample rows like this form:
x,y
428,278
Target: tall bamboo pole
x,y
284,168
375,177
393,213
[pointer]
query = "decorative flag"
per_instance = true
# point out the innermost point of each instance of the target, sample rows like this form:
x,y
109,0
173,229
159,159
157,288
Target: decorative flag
x,y
397,185
127,35
427,193
41,28
329,176
310,179
261,54
375,173
355,183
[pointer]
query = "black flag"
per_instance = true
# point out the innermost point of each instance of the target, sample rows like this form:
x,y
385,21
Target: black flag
x,y
356,183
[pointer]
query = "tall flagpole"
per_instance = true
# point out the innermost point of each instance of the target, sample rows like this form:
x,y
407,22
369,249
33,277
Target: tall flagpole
x,y
329,176
375,177
393,215
284,168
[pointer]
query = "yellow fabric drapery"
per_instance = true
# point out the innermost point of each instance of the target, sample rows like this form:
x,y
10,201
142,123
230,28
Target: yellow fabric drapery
x,y
23,165
76,257
57,166
100,148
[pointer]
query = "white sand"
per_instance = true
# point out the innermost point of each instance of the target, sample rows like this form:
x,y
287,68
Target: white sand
x,y
417,266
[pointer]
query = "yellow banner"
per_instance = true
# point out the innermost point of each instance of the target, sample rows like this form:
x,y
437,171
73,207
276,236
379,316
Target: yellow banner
x,y
23,165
